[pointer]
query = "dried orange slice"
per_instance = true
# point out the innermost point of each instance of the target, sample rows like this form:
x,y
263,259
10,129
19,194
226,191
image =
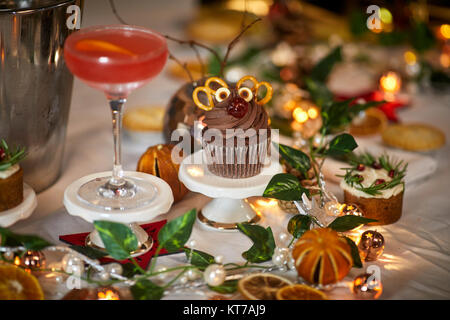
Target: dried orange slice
x,y
300,292
100,45
17,284
261,286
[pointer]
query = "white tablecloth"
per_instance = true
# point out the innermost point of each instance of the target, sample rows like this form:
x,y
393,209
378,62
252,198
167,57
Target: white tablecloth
x,y
416,261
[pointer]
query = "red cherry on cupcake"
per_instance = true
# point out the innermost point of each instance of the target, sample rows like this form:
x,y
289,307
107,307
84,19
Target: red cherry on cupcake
x,y
359,177
2,154
237,107
392,173
379,181
376,165
360,167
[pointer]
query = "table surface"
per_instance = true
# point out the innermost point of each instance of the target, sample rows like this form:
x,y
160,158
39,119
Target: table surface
x,y
416,262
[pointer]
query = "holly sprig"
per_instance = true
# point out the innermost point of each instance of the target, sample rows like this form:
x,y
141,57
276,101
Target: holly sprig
x,y
10,157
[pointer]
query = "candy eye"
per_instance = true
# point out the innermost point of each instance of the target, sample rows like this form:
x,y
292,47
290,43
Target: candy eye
x,y
246,94
222,94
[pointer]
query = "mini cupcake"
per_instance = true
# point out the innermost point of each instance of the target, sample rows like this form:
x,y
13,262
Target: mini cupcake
x,y
236,134
11,177
377,186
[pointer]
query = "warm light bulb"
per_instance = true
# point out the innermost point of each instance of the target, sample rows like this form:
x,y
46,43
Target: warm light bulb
x,y
266,202
445,31
385,16
300,115
290,105
107,295
195,171
410,58
312,113
390,82
444,60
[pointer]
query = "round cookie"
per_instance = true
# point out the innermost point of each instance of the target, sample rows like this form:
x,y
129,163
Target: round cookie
x,y
414,137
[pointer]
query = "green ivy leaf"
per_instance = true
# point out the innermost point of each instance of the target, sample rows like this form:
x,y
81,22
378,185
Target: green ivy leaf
x,y
346,223
298,225
175,233
146,290
323,68
335,115
118,239
319,92
199,258
229,286
285,186
30,242
297,159
355,253
263,242
342,144
89,252
129,270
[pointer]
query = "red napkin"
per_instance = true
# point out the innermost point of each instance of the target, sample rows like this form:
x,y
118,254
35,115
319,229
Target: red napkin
x,y
143,260
389,108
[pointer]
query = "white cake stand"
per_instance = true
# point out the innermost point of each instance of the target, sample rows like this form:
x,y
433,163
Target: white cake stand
x,y
22,211
229,206
161,204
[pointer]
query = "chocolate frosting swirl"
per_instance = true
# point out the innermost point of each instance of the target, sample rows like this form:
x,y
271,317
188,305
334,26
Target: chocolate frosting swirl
x,y
218,118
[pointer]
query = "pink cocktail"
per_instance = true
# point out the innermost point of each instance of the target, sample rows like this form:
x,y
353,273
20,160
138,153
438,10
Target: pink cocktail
x,y
116,59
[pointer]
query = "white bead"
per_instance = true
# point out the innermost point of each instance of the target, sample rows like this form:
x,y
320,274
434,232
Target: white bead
x,y
192,274
9,255
114,268
218,259
283,237
104,275
72,264
278,260
161,268
283,268
214,275
192,243
291,263
183,280
284,252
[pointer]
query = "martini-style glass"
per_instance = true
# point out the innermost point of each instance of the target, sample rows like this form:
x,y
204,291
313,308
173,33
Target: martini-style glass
x,y
116,59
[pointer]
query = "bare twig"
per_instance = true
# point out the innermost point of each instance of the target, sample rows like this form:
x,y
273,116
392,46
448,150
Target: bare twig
x,y
113,7
199,58
183,65
195,43
233,43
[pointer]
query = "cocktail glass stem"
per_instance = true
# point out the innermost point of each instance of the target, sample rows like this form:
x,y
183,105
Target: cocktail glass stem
x,y
117,186
116,111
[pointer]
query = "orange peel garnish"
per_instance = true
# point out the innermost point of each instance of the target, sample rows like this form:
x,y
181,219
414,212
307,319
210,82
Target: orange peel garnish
x,y
100,45
255,88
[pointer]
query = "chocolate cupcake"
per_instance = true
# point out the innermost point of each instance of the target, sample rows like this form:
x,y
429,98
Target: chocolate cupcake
x,y
236,136
377,186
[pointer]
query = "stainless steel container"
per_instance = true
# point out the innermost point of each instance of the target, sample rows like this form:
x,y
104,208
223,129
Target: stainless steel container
x,y
35,84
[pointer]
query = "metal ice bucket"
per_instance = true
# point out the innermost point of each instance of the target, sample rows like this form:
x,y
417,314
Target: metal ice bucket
x,y
35,84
